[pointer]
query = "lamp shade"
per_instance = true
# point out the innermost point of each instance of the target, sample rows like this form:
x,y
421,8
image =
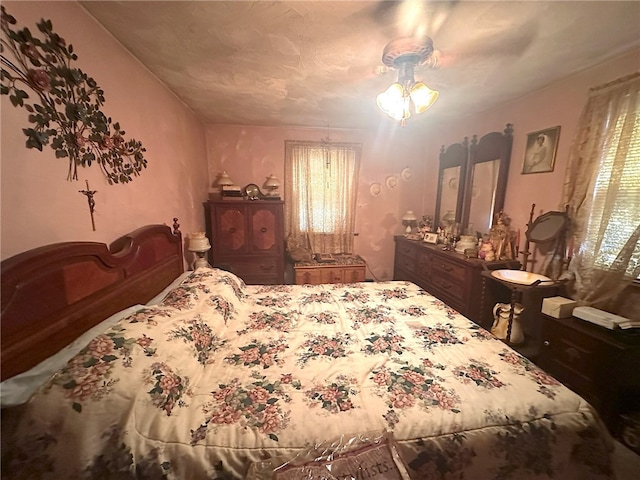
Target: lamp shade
x,y
272,182
409,216
198,242
224,179
449,217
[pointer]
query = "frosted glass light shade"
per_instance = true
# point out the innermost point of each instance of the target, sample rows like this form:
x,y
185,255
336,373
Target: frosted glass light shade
x,y
422,97
392,101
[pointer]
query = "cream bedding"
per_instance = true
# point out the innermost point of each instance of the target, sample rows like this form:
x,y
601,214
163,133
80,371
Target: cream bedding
x,y
221,374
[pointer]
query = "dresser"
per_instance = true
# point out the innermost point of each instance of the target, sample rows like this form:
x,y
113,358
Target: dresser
x,y
601,365
451,277
344,269
247,238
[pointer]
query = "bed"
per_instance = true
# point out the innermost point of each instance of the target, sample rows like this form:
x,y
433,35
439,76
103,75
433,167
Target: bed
x,y
197,375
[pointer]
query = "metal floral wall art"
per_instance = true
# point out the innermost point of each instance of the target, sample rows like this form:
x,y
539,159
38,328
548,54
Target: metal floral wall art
x,y
64,111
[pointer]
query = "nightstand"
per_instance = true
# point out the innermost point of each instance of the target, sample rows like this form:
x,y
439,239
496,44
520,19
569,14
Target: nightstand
x,y
601,365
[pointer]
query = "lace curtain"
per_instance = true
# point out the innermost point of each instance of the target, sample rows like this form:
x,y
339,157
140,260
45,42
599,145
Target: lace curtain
x,y
321,181
602,190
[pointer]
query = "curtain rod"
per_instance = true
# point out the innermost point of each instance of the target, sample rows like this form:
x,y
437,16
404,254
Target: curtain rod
x,y
615,82
319,143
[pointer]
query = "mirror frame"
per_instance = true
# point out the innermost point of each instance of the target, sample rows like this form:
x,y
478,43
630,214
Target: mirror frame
x,y
562,226
492,146
456,154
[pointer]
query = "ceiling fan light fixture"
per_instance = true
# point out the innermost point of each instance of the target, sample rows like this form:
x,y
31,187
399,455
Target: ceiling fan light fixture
x,y
404,54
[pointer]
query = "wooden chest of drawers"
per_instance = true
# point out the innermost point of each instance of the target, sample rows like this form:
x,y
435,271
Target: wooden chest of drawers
x,y
451,281
602,366
450,276
247,238
347,269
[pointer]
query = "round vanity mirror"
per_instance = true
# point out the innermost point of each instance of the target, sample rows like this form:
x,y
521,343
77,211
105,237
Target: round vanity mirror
x,y
547,227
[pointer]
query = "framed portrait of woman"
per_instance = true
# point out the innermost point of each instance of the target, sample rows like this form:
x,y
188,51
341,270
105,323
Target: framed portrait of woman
x,y
540,151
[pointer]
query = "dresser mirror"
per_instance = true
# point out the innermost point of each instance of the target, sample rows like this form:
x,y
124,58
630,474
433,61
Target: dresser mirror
x,y
451,182
486,180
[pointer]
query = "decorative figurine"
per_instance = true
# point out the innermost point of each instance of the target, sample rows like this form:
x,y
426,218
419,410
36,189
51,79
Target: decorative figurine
x,y
486,250
425,225
503,237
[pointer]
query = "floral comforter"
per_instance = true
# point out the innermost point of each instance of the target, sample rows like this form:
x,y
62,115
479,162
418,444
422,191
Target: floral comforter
x,y
220,375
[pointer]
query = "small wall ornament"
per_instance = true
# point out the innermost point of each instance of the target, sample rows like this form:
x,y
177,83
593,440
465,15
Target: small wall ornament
x,y
65,112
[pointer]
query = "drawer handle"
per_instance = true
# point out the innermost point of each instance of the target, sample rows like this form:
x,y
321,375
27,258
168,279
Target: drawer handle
x,y
446,268
266,267
572,354
263,229
232,230
546,343
446,285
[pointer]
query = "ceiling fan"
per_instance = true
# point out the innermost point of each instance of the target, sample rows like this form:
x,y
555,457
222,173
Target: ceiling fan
x,y
465,31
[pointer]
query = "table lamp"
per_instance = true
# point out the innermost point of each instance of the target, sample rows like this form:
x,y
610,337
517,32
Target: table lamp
x,y
409,220
271,184
199,245
224,179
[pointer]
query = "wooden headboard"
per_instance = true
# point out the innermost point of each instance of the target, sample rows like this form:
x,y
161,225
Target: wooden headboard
x,y
53,294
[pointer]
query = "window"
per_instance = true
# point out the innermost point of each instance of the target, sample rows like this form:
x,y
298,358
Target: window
x,y
325,214
602,191
321,180
616,195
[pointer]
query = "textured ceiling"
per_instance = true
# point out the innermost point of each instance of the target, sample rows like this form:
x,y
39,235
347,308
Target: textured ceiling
x,y
319,63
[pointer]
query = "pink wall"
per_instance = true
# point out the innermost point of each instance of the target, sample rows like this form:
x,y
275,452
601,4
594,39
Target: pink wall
x,y
39,206
250,154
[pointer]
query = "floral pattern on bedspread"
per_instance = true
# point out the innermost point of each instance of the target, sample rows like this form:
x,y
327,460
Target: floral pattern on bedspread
x,y
523,366
88,376
221,373
409,385
168,387
255,405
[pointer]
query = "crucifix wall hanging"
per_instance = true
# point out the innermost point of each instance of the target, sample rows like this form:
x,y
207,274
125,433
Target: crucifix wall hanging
x,y
92,203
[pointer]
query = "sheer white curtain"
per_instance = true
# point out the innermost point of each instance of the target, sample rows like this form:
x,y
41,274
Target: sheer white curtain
x,y
602,190
321,181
